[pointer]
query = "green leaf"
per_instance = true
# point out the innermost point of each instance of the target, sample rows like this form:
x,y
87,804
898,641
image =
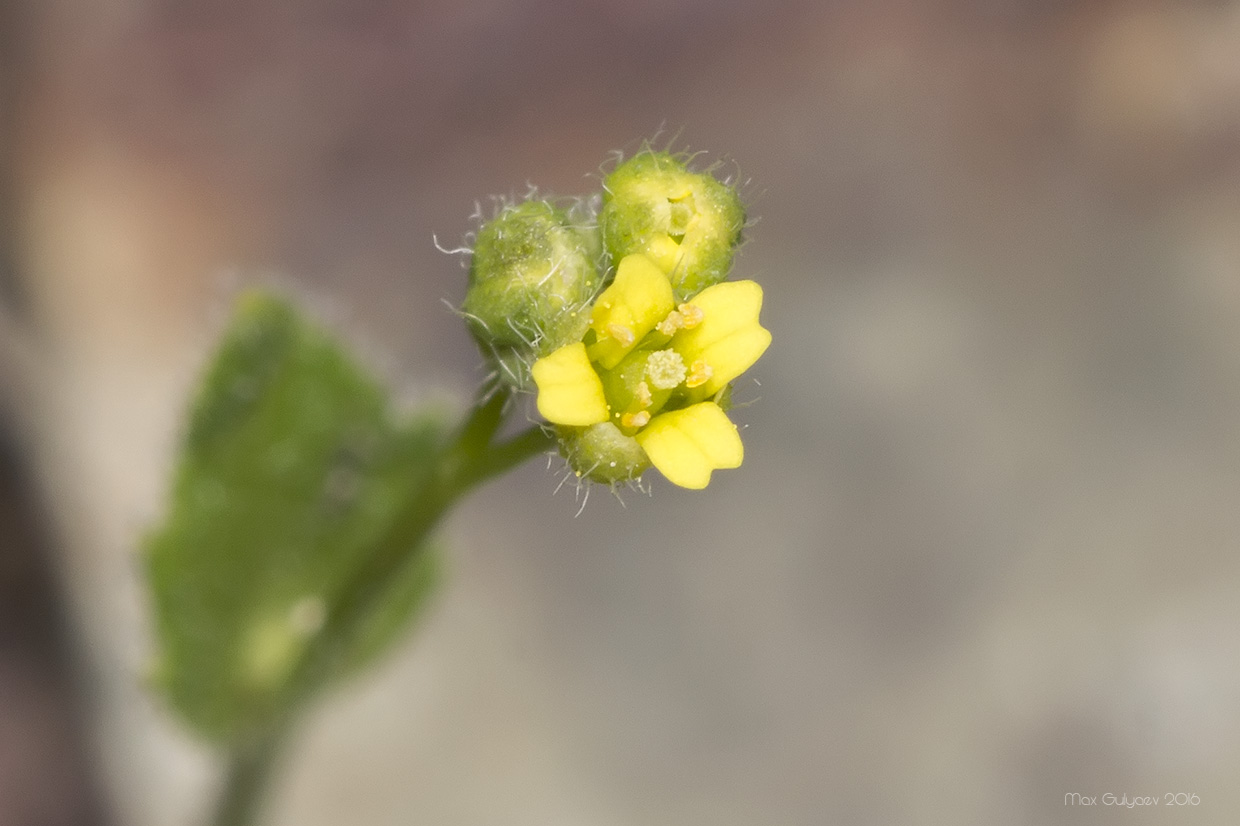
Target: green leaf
x,y
294,477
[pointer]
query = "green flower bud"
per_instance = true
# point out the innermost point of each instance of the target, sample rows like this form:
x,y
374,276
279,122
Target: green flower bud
x,y
602,453
687,223
531,280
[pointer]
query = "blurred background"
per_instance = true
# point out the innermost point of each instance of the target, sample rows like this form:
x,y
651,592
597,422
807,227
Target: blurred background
x,y
983,550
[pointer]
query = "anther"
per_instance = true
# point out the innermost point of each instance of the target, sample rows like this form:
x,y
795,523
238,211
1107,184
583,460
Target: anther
x,y
691,316
699,374
621,334
636,420
643,395
671,324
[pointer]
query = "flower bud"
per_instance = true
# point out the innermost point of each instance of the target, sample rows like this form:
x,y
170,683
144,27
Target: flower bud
x,y
531,280
687,223
602,453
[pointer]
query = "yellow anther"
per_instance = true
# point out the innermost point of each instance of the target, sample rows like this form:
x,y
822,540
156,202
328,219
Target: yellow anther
x,y
699,374
643,395
621,334
690,315
636,420
671,324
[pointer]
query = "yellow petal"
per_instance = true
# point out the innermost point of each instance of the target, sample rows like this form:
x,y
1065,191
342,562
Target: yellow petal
x,y
569,391
638,299
664,252
729,339
687,445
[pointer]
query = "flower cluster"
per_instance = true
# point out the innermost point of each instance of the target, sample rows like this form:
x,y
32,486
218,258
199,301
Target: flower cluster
x,y
640,373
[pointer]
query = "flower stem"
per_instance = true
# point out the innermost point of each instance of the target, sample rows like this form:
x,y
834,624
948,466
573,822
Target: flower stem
x,y
467,461
249,770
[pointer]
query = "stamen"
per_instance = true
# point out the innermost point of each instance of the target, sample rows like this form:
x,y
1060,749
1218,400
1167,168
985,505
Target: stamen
x,y
636,420
671,324
665,369
691,316
643,395
699,374
621,334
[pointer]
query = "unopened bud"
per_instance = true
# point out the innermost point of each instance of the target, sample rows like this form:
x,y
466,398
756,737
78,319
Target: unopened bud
x,y
602,453
530,283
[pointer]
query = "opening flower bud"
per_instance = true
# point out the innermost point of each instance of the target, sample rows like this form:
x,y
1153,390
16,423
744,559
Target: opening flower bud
x,y
687,223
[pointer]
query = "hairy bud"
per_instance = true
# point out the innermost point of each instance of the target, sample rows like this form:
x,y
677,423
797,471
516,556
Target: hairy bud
x,y
531,280
687,223
602,453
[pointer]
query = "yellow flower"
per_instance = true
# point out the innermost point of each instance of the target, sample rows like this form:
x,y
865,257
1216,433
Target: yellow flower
x,y
657,371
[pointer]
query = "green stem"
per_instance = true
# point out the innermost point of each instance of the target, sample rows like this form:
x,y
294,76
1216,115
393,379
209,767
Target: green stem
x,y
250,766
469,460
505,456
